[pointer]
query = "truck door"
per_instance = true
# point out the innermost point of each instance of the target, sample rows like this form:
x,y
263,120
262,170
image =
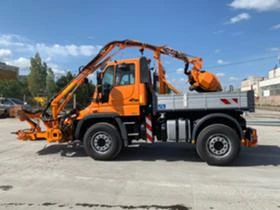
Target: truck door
x,y
123,95
120,90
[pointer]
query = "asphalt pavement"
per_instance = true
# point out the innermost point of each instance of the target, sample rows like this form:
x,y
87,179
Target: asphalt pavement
x,y
36,175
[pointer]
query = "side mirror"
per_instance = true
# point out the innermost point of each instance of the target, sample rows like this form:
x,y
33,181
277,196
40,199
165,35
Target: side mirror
x,y
80,69
99,78
86,81
186,69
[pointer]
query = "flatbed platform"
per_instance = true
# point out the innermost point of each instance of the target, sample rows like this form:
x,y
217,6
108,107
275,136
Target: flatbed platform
x,y
242,101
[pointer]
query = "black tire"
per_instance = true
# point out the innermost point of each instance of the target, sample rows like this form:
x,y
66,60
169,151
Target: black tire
x,y
218,144
102,141
6,114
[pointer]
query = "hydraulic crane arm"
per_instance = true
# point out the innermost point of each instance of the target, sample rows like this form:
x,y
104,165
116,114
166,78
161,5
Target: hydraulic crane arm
x,y
62,98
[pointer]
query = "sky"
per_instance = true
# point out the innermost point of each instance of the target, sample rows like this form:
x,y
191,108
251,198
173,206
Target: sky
x,y
235,38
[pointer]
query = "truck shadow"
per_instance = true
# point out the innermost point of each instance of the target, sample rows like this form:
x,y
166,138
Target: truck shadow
x,y
142,151
63,150
262,155
160,151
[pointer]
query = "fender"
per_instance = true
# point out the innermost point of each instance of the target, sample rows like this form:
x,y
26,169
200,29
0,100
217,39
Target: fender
x,y
216,115
102,116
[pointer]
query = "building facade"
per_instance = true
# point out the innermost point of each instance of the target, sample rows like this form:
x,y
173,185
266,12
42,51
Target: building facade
x,y
252,83
271,85
267,90
8,71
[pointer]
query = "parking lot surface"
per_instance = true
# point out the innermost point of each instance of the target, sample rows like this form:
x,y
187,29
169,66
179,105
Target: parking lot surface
x,y
37,175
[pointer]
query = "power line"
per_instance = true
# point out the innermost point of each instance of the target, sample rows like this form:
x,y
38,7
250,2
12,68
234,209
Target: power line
x,y
242,62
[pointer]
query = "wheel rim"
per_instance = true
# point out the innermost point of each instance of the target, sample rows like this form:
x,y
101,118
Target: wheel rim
x,y
218,145
101,142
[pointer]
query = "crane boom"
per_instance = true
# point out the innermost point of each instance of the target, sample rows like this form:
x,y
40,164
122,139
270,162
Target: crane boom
x,y
101,58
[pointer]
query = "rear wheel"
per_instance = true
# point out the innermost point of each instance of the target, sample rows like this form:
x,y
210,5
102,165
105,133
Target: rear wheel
x,y
218,144
102,141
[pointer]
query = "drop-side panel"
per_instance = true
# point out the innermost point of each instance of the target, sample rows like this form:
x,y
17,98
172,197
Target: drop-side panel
x,y
220,100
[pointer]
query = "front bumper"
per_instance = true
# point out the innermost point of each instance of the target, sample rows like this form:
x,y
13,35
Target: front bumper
x,y
250,138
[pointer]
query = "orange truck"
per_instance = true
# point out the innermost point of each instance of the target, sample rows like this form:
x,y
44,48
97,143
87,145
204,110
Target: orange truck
x,y
131,102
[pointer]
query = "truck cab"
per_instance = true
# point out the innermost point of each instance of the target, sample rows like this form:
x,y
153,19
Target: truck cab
x,y
122,88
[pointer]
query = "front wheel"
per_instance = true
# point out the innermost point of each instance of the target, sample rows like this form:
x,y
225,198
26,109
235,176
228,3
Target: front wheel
x,y
218,144
102,141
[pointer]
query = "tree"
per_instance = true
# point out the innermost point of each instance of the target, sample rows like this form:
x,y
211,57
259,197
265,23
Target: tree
x,y
12,88
50,83
83,93
37,77
43,75
64,80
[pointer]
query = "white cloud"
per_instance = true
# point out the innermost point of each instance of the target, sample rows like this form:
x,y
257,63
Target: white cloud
x,y
233,78
217,51
21,62
220,74
179,83
48,59
222,62
89,50
180,71
259,5
57,70
218,32
67,50
275,27
16,50
239,33
274,49
9,40
24,64
21,44
240,17
166,62
5,53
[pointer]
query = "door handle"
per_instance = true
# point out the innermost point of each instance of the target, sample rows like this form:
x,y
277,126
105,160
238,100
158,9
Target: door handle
x,y
133,100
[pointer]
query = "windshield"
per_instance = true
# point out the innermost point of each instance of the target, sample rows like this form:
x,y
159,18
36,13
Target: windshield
x,y
125,76
17,101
